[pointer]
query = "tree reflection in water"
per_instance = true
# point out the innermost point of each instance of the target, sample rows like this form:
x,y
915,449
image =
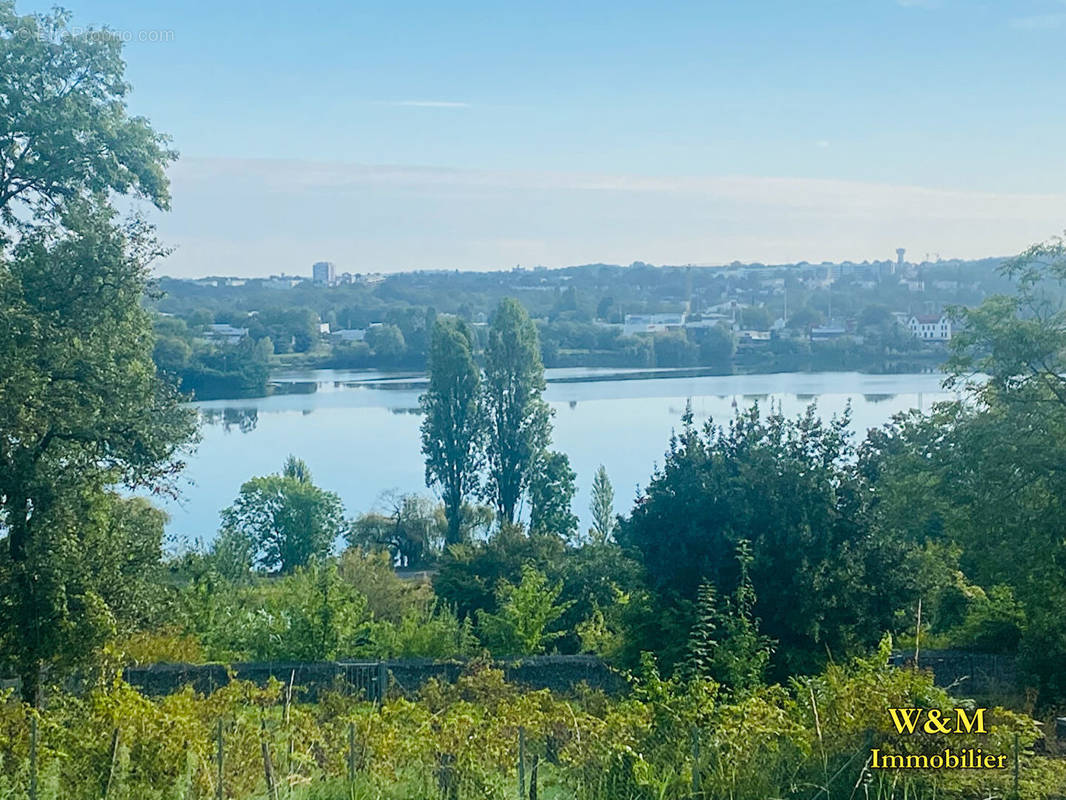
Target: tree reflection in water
x,y
243,419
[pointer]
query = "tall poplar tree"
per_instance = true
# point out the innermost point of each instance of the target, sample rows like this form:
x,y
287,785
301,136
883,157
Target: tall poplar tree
x,y
518,421
451,428
602,506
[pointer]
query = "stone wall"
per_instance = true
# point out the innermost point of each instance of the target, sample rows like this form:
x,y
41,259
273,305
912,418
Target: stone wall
x,y
964,672
406,676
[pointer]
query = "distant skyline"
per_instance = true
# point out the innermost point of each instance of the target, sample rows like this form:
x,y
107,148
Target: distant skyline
x,y
388,219
389,136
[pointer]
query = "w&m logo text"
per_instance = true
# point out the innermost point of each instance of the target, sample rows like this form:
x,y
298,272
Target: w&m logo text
x,y
934,722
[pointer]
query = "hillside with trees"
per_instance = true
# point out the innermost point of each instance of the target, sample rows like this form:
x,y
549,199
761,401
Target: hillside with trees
x,y
738,318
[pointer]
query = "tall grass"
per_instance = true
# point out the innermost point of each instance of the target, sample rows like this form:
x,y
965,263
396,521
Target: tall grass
x,y
807,741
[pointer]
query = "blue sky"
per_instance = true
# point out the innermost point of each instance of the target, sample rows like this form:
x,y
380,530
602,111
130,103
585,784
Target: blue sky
x,y
559,133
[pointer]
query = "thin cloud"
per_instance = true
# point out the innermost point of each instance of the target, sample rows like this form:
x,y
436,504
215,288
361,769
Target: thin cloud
x,y
260,217
427,104
1039,22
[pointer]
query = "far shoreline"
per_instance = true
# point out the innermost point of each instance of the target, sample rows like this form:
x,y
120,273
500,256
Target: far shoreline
x,y
301,380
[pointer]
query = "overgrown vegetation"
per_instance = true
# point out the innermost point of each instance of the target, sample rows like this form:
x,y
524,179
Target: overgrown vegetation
x,y
667,739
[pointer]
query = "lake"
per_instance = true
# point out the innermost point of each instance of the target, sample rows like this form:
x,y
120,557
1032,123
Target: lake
x,y
359,431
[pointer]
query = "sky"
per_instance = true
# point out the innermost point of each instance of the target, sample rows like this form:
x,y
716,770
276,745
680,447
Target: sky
x,y
474,135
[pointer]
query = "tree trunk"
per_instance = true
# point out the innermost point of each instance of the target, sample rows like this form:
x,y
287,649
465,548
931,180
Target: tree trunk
x,y
26,612
26,633
453,510
507,501
18,547
30,676
18,528
454,527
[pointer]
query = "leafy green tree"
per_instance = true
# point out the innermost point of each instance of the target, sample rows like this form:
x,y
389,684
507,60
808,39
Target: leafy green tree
x,y
123,549
674,349
81,405
518,421
65,134
290,329
638,351
171,355
551,491
476,521
451,428
993,622
228,370
876,316
607,588
372,573
327,618
604,307
805,318
983,477
468,573
96,567
1018,340
411,531
426,630
388,344
350,355
717,346
881,332
789,488
526,614
287,520
979,485
200,319
80,400
756,317
602,507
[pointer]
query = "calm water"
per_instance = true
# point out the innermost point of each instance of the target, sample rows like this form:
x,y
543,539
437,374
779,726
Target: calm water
x,y
358,431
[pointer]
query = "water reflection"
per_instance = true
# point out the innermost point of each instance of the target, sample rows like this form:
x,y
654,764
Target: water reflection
x,y
244,420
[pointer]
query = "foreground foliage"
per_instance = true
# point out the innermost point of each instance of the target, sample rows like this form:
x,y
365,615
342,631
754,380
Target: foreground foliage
x,y
461,741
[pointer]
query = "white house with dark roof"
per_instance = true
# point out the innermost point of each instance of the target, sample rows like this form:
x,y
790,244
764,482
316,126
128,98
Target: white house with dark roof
x,y
930,328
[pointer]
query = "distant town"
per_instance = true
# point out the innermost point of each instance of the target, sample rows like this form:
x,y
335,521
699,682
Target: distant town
x,y
887,315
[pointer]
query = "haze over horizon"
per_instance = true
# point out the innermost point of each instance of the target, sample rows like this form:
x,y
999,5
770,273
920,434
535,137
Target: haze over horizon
x,y
388,137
